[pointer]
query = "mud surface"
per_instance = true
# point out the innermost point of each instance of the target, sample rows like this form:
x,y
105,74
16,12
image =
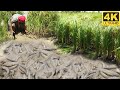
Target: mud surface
x,y
28,58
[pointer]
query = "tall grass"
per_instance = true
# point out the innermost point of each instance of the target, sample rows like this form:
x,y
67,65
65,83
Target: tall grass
x,y
75,34
42,23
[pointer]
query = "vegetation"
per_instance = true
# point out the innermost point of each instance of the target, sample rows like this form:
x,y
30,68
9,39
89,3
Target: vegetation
x,y
4,16
79,31
42,23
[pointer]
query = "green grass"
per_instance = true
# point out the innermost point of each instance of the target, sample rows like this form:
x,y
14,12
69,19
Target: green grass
x,y
65,50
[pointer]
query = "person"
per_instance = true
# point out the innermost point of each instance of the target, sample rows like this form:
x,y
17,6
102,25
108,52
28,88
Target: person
x,y
16,24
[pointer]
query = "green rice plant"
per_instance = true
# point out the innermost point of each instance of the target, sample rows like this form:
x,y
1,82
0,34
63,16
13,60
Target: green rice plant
x,y
78,46
98,42
58,32
67,33
75,32
105,43
82,38
89,38
62,33
117,53
108,43
111,44
117,46
118,38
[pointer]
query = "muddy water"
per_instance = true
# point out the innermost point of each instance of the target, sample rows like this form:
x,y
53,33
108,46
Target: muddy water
x,y
30,58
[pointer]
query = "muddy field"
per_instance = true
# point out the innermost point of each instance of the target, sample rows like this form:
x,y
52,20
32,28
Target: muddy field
x,y
29,58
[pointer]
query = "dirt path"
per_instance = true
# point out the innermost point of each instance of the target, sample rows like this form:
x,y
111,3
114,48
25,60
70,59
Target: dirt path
x,y
26,58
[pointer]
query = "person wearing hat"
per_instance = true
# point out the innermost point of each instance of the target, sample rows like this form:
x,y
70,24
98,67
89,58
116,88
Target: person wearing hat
x,y
16,24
